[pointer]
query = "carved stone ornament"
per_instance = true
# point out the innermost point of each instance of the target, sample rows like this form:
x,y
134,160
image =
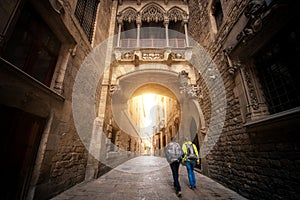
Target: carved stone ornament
x,y
57,5
152,56
254,7
152,13
119,18
128,55
232,65
252,92
174,55
175,14
255,11
129,15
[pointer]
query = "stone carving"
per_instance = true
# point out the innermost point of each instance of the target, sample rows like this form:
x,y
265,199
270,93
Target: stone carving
x,y
152,13
152,56
232,66
119,18
255,11
254,7
57,5
252,93
173,56
129,15
175,14
127,55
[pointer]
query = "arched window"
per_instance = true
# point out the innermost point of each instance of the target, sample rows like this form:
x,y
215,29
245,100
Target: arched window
x,y
217,13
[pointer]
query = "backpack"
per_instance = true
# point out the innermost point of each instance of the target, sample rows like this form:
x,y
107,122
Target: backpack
x,y
190,152
173,152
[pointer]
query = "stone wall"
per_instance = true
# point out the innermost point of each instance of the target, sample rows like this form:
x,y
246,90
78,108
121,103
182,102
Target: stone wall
x,y
259,160
62,158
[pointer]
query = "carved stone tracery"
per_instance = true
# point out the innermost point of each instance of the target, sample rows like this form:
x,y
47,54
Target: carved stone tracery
x,y
152,13
175,14
252,92
129,15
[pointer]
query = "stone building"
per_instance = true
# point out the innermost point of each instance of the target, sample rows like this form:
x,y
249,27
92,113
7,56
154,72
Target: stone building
x,y
69,69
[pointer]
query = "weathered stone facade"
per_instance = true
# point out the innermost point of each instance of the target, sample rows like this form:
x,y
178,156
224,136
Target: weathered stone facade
x,y
59,157
257,154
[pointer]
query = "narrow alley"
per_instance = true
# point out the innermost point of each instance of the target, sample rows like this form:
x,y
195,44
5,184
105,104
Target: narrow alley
x,y
146,177
90,88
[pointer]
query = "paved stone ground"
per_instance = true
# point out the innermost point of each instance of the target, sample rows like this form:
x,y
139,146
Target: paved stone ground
x,y
146,178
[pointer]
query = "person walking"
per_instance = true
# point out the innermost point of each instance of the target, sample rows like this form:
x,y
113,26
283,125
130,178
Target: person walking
x,y
190,158
174,155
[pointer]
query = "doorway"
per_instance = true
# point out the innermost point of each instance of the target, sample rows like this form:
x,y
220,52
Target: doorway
x,y
21,135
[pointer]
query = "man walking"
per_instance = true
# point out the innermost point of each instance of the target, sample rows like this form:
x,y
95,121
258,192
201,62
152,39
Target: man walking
x,y
174,155
190,158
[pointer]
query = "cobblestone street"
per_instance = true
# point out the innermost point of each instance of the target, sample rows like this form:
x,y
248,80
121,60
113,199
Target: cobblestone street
x,y
143,178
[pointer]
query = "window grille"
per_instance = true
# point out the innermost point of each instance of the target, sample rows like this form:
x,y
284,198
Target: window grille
x,y
85,13
277,70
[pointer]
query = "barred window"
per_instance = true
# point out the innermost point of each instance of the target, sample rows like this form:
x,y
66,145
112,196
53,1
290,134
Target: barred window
x,y
278,66
85,12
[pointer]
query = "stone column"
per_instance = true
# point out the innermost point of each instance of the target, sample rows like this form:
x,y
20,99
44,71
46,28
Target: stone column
x,y
97,146
253,105
185,22
166,23
139,24
63,63
120,23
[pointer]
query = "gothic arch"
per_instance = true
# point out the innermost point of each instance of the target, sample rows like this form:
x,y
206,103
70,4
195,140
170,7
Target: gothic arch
x,y
129,14
176,14
152,13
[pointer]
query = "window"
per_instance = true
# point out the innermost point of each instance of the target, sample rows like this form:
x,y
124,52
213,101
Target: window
x,y
217,13
277,65
32,46
85,12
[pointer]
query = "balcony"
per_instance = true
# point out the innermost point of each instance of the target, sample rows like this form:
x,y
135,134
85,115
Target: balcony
x,y
152,49
153,43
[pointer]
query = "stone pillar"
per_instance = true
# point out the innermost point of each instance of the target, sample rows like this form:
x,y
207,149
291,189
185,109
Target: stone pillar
x,y
185,21
253,105
139,24
166,23
120,23
97,144
63,63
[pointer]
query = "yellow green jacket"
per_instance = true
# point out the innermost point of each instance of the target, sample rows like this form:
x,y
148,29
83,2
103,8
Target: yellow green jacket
x,y
184,149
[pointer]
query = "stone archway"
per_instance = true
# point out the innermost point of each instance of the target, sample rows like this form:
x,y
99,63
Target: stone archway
x,y
129,83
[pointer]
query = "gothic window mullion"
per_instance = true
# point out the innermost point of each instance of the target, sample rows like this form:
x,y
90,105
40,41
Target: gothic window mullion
x,y
256,107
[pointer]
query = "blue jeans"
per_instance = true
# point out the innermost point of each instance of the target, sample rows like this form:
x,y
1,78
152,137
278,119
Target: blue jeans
x,y
190,165
175,167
